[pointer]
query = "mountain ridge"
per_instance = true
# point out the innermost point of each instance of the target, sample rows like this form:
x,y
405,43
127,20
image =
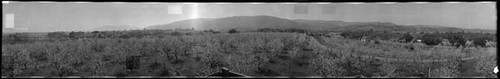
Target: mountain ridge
x,y
251,23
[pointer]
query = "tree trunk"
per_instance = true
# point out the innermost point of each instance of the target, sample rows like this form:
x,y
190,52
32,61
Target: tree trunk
x,y
166,53
25,66
429,73
185,52
176,57
155,60
96,69
11,67
177,73
36,67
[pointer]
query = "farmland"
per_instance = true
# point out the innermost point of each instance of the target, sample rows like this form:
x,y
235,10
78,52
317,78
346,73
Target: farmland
x,y
161,53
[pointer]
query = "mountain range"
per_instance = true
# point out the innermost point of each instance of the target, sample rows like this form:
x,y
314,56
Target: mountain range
x,y
252,23
242,23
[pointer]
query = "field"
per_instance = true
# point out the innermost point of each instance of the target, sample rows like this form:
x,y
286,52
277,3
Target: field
x,y
250,53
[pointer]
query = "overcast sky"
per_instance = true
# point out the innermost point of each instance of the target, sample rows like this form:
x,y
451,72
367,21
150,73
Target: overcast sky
x,y
81,16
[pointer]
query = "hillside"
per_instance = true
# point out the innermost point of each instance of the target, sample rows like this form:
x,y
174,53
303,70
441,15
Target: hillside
x,y
246,23
242,23
250,23
375,26
433,28
482,30
184,24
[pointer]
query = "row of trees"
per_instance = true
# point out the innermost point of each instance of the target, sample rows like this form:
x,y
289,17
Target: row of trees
x,y
456,39
173,55
61,36
15,38
293,30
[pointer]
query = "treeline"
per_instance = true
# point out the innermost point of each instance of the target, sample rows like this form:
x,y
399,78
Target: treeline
x,y
456,39
63,36
292,30
118,34
125,34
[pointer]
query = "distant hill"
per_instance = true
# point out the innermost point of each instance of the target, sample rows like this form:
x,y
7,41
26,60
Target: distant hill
x,y
321,24
407,28
375,27
481,30
336,24
184,24
120,27
242,23
433,28
452,29
251,23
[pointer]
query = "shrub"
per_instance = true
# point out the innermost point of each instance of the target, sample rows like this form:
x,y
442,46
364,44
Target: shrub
x,y
430,39
457,40
481,41
76,35
233,31
407,38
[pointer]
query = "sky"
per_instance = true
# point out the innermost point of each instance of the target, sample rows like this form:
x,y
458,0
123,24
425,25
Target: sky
x,y
84,16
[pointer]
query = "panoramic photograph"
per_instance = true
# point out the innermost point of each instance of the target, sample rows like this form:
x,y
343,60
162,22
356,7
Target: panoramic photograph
x,y
248,40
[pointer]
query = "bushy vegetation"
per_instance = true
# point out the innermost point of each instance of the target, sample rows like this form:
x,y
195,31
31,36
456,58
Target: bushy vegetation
x,y
63,36
292,30
407,38
233,31
456,39
181,53
430,39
